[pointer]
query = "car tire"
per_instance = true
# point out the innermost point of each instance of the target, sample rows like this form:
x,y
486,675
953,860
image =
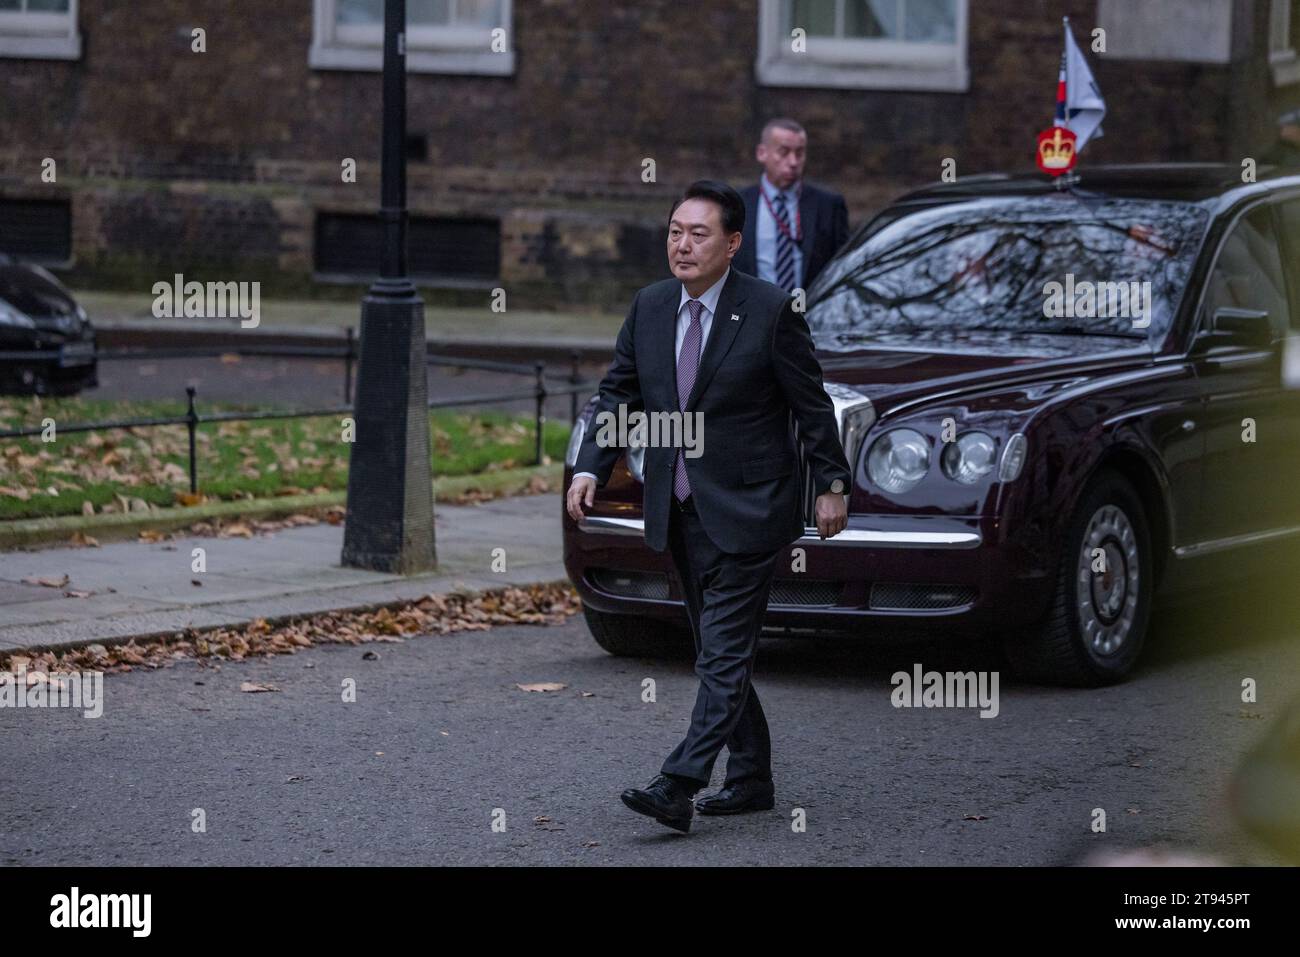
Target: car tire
x,y
1095,627
632,636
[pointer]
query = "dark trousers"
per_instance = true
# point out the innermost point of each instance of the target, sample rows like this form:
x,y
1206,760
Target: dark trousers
x,y
726,598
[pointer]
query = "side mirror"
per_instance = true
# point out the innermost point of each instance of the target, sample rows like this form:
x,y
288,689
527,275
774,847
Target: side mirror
x,y
1246,327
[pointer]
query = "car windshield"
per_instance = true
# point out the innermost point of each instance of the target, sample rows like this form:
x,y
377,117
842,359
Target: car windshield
x,y
1061,265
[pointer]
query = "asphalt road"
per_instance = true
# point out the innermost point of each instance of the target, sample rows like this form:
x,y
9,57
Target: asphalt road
x,y
440,736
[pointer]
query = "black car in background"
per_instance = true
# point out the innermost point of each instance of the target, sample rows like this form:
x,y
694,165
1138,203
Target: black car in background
x,y
47,344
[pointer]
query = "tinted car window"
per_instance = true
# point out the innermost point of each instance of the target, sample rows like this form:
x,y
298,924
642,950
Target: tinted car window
x,y
987,264
1290,214
1248,271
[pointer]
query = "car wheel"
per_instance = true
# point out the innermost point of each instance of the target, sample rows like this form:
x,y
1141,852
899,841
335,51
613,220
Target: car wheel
x,y
1094,630
632,636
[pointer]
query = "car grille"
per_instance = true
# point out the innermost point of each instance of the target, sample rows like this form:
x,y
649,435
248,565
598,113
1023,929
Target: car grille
x,y
915,597
848,404
788,592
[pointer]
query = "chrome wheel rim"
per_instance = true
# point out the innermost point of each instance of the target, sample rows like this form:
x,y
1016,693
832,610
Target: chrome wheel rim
x,y
1108,598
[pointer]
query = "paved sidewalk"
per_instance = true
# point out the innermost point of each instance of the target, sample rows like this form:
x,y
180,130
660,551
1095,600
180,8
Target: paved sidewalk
x,y
292,572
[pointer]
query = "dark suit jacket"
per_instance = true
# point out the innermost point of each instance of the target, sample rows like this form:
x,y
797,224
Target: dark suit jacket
x,y
825,229
757,368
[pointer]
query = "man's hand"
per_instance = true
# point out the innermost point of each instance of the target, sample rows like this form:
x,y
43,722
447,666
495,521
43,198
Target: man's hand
x,y
832,514
582,489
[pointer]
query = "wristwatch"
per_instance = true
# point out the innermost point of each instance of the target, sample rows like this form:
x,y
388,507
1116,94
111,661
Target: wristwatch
x,y
837,486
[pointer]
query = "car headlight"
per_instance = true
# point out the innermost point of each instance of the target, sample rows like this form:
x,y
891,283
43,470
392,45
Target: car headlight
x,y
575,442
9,316
898,460
970,458
81,314
635,459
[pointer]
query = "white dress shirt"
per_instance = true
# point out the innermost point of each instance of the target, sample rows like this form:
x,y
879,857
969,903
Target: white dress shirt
x,y
709,298
765,250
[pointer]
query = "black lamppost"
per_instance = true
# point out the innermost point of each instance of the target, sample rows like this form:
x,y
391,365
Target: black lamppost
x,y
390,497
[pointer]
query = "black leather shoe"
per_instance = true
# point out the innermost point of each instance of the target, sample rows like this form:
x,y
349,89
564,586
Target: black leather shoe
x,y
664,800
737,798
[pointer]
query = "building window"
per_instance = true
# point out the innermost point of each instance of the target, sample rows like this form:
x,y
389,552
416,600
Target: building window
x,y
37,230
864,44
39,30
442,251
1281,54
442,36
1186,31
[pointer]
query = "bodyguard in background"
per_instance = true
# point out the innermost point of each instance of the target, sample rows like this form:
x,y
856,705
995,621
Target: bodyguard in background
x,y
792,228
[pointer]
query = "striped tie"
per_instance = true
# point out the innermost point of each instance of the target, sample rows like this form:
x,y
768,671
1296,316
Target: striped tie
x,y
687,364
784,247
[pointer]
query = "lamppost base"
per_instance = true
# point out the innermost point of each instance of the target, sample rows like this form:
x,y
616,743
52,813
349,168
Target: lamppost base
x,y
389,524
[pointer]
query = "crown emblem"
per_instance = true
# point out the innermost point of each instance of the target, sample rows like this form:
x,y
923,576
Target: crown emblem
x,y
1056,153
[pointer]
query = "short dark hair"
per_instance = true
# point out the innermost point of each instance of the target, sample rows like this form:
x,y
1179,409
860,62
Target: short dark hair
x,y
780,123
716,191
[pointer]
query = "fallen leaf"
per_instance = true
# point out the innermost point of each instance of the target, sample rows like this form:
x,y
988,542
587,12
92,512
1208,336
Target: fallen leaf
x,y
48,582
253,687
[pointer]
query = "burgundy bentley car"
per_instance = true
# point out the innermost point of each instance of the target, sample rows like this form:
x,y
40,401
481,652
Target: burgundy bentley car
x,y
1062,402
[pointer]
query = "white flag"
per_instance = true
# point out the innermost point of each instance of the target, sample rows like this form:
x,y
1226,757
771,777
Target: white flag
x,y
1084,106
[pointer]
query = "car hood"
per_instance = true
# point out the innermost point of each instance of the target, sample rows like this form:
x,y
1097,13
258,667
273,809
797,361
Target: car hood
x,y
893,370
33,294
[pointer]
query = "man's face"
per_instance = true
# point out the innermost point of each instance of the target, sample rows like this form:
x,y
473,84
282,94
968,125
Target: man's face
x,y
782,156
699,248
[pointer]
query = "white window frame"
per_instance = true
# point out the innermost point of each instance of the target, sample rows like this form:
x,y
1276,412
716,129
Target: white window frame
x,y
860,63
1134,31
40,36
1281,55
448,49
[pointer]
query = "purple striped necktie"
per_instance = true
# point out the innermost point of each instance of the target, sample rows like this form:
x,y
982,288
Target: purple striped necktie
x,y
688,363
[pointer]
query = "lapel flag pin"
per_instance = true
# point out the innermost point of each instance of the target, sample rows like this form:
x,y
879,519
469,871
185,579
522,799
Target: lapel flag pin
x,y
735,318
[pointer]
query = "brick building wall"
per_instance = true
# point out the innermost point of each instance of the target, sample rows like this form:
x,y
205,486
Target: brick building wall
x,y
219,162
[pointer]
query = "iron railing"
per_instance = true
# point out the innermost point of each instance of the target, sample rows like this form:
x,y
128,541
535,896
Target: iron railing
x,y
346,351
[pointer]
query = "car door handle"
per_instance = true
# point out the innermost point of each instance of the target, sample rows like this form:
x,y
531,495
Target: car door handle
x,y
1188,425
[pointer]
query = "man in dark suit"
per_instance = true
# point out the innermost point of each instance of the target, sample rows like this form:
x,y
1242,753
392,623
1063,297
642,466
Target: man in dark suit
x,y
730,348
792,228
